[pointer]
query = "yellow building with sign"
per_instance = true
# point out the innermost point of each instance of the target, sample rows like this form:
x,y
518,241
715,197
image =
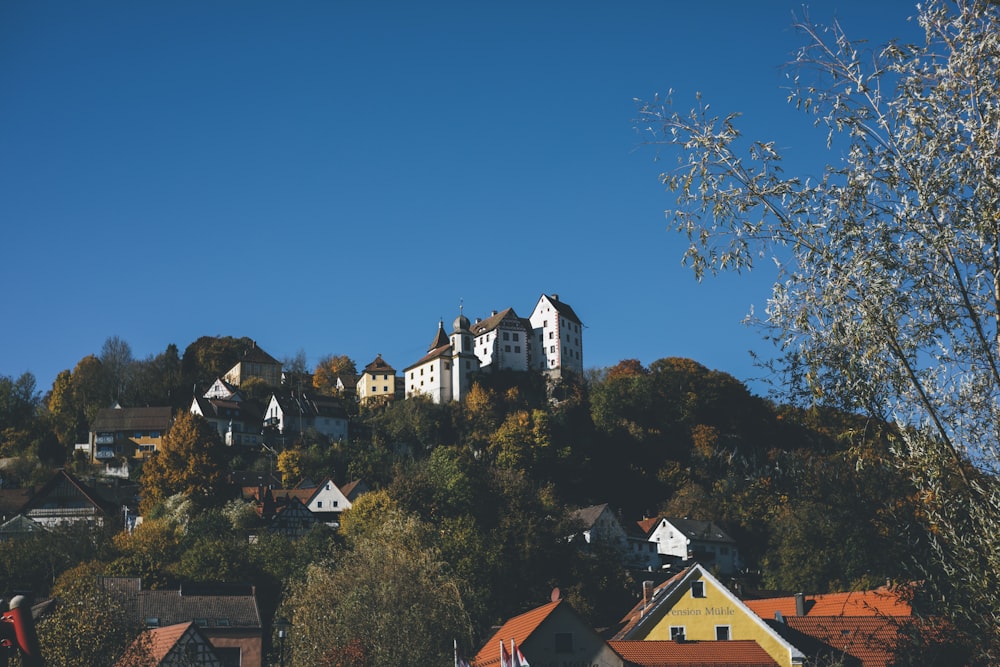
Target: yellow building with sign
x,y
694,606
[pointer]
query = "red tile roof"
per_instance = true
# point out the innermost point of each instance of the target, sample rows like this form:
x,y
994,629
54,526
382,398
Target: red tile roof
x,y
879,602
871,639
662,653
153,645
518,628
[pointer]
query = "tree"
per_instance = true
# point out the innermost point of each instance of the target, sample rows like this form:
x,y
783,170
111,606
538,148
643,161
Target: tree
x,y
190,461
88,626
117,361
329,369
888,294
390,598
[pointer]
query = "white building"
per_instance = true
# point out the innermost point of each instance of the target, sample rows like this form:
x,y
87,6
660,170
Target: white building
x,y
503,341
558,337
444,374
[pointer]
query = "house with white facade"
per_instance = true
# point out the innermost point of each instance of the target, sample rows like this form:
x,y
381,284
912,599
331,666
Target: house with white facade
x,y
445,373
238,422
550,341
683,540
293,412
558,337
503,341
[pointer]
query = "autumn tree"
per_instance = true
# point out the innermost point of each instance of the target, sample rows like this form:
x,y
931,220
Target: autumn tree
x,y
328,369
886,300
190,461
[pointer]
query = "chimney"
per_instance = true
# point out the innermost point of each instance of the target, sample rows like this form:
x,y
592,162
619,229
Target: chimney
x,y
800,604
555,297
647,592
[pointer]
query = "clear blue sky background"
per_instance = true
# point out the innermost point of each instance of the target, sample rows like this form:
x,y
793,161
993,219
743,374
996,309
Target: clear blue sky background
x,y
335,177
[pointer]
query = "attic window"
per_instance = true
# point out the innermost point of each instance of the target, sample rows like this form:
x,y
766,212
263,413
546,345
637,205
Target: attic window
x,y
152,621
697,589
201,622
222,622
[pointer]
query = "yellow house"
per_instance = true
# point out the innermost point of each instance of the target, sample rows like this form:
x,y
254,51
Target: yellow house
x,y
694,606
377,382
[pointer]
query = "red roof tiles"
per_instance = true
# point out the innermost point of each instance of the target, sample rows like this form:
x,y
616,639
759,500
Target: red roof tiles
x,y
662,653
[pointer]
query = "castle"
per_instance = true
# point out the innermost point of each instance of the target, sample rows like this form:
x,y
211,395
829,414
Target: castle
x,y
550,341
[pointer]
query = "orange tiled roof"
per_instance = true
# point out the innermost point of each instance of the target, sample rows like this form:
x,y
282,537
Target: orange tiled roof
x,y
647,525
879,602
518,628
153,645
655,653
871,639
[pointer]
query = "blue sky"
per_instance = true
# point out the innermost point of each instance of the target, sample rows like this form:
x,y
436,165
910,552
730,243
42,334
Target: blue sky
x,y
335,177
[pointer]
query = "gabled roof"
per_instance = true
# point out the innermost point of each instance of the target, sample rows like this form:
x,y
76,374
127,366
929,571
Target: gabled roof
x,y
49,495
518,628
588,516
379,366
154,647
353,489
493,321
563,309
257,355
19,525
872,640
434,353
132,419
658,653
648,613
705,531
307,404
881,601
237,610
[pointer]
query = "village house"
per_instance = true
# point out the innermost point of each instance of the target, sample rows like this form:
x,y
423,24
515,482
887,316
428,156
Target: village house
x,y
377,382
681,541
128,432
237,420
255,364
227,615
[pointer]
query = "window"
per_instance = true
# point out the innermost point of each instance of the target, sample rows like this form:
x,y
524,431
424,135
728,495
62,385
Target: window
x,y
722,633
697,589
385,389
506,336
319,504
336,502
564,642
552,334
517,337
677,633
201,622
517,348
154,434
552,348
506,348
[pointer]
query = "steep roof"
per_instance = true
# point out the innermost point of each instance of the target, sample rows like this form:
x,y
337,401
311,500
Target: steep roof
x,y
873,640
434,353
379,366
353,489
705,531
518,628
658,653
563,309
494,320
257,355
881,601
132,419
63,490
588,516
440,338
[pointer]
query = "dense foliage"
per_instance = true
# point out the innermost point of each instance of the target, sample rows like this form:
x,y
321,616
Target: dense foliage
x,y
887,299
480,495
